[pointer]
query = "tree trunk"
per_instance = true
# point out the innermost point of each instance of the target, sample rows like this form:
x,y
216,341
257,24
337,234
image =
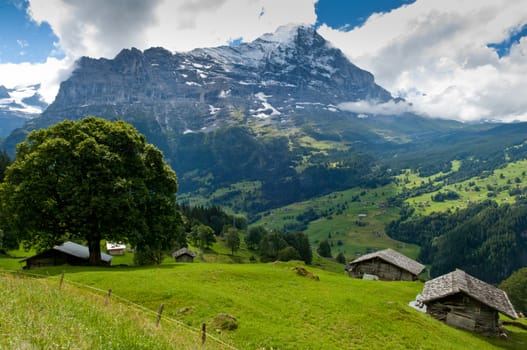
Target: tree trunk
x,y
94,246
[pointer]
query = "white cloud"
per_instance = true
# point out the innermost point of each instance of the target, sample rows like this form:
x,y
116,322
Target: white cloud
x,y
434,54
48,74
101,28
372,107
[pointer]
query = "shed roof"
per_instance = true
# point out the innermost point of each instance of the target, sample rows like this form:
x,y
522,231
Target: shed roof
x,y
79,251
76,250
395,258
183,251
459,281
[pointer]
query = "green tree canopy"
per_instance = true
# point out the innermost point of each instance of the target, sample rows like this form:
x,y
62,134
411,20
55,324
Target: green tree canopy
x,y
254,236
91,180
4,163
232,239
324,249
516,287
300,242
271,244
202,236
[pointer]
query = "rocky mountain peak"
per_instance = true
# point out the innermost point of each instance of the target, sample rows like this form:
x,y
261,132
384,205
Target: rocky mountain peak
x,y
269,79
4,93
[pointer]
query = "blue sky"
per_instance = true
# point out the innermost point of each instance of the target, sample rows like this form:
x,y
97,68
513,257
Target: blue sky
x,y
455,59
22,40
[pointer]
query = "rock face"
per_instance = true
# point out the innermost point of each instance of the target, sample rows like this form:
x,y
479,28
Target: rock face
x,y
267,80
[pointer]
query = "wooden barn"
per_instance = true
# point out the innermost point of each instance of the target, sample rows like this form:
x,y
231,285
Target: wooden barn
x,y
387,265
67,253
465,302
184,255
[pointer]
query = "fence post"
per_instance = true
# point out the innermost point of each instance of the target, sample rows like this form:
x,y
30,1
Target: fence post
x,y
159,314
61,280
203,333
108,297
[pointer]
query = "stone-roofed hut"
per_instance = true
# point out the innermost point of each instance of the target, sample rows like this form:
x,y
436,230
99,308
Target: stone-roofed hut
x,y
184,255
387,265
465,302
67,253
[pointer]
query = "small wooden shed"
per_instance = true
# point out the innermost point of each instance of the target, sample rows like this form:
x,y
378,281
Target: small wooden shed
x,y
465,302
387,265
184,255
67,253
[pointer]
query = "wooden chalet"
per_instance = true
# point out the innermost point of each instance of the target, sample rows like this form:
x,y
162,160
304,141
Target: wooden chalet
x,y
387,265
465,302
184,255
67,253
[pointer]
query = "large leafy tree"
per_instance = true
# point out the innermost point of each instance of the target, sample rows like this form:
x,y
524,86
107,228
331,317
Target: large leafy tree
x,y
91,180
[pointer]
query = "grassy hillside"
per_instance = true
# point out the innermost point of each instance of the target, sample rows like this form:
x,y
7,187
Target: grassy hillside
x,y
336,217
503,185
274,306
37,315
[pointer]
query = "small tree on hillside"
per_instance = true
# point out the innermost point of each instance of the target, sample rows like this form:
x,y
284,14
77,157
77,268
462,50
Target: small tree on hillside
x,y
341,259
232,239
254,236
202,236
300,242
270,246
324,249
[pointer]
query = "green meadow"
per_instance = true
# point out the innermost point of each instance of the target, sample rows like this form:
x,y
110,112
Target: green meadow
x,y
275,308
352,221
495,185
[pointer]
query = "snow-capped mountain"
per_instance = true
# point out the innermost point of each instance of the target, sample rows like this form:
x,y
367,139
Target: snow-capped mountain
x,y
268,80
17,105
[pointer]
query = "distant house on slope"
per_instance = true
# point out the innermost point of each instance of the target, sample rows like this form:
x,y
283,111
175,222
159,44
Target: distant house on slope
x,y
67,253
387,265
184,255
115,248
463,301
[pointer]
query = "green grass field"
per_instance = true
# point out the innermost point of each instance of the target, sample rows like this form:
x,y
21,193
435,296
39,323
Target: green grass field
x,y
37,315
275,309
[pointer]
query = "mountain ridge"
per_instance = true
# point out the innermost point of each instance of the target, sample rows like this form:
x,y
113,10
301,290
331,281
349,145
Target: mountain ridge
x,y
267,78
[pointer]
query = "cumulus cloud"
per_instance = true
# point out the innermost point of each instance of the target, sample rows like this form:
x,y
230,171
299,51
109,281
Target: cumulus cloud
x,y
435,54
375,108
48,74
101,28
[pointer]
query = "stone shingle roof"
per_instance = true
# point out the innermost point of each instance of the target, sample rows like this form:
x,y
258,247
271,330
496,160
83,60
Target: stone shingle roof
x,y
459,281
183,251
394,258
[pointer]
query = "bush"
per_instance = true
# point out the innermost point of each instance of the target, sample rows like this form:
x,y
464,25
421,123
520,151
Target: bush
x,y
288,253
324,249
341,259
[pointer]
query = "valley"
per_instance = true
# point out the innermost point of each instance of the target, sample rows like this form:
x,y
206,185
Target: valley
x,y
261,136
